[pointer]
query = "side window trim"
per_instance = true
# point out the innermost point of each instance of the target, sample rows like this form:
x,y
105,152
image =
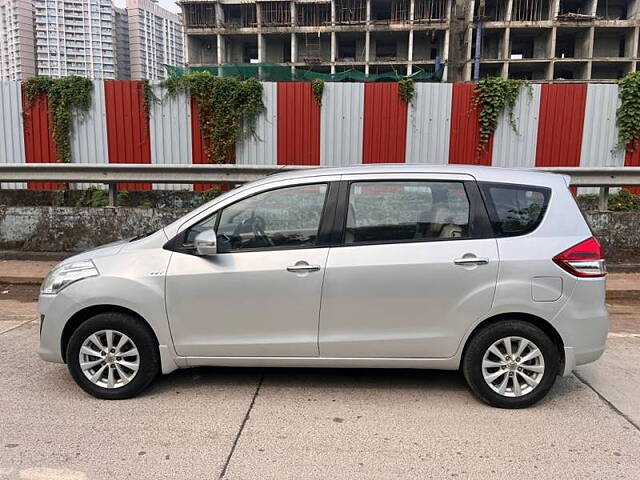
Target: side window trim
x,y
325,233
479,223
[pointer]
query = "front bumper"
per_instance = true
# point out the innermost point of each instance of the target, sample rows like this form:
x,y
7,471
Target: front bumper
x,y
55,311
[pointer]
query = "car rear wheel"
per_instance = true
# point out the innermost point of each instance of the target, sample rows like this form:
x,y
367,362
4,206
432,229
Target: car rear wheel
x,y
510,364
113,356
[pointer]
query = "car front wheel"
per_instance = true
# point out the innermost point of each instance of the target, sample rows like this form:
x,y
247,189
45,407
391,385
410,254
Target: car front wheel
x,y
510,364
113,356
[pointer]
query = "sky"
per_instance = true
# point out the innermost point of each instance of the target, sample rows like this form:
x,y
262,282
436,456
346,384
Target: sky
x,y
168,4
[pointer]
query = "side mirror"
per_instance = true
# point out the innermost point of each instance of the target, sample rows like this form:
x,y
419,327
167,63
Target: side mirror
x,y
206,243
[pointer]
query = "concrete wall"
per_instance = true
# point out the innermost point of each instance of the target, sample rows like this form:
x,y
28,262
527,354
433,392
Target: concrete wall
x,y
68,229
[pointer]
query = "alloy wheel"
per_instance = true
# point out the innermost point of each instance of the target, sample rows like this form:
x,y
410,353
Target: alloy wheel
x,y
109,359
513,366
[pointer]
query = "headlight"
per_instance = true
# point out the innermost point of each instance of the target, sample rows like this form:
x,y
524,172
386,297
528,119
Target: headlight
x,y
65,275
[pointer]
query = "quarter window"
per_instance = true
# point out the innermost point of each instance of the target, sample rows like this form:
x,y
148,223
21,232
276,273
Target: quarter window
x,y
406,211
516,209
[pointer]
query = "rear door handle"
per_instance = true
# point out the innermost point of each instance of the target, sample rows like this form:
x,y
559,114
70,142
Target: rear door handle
x,y
303,267
471,261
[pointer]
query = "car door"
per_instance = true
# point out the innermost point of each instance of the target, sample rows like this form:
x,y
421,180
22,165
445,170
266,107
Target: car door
x,y
260,294
416,268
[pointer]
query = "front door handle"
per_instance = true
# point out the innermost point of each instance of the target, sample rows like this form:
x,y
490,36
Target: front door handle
x,y
471,261
303,267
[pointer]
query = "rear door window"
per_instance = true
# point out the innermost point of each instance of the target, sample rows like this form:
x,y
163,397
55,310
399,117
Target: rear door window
x,y
515,209
406,211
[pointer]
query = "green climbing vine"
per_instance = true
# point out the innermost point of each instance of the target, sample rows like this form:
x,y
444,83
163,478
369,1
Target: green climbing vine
x,y
628,113
223,103
317,85
66,97
148,97
492,96
407,89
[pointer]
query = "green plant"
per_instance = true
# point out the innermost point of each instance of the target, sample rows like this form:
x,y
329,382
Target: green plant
x,y
223,104
209,195
122,198
491,96
628,113
146,204
148,97
66,96
407,89
317,85
624,201
93,197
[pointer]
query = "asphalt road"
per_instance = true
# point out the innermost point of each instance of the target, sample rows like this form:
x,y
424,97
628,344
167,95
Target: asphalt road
x,y
313,423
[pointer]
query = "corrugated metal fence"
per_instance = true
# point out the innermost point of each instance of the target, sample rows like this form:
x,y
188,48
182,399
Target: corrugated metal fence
x,y
557,124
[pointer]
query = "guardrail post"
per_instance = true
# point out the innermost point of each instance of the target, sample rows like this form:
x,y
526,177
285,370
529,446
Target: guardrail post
x,y
113,194
603,199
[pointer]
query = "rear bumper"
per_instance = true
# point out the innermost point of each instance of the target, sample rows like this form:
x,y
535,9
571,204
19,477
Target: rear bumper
x,y
573,358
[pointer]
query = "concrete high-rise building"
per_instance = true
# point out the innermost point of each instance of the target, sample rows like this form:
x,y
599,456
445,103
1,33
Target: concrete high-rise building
x,y
123,55
75,37
155,39
532,39
17,55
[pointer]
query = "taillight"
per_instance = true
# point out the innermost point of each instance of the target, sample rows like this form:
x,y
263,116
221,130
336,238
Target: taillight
x,y
585,259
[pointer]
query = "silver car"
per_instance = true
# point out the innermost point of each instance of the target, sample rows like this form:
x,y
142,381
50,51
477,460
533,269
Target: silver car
x,y
491,271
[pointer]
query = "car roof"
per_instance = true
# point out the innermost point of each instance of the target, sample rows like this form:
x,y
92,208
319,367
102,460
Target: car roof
x,y
480,173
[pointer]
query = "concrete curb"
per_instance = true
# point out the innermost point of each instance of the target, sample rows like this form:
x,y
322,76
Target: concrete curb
x,y
21,280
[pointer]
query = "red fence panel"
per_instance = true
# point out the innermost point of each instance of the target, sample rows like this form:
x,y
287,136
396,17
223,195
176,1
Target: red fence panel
x,y
632,159
385,124
39,146
298,125
465,130
560,124
198,147
128,135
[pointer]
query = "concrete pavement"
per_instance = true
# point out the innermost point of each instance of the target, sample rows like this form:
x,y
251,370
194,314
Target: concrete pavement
x,y
314,423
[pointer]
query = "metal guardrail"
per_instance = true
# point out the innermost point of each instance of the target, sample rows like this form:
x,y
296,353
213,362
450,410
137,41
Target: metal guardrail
x,y
112,174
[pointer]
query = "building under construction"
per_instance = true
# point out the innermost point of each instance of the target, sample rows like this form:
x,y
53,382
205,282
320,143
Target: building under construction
x,y
530,39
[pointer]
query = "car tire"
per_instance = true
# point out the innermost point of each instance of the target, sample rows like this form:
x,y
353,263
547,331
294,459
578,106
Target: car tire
x,y
124,370
492,373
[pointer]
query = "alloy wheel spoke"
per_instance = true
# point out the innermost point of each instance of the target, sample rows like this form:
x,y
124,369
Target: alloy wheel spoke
x,y
109,335
130,353
493,349
534,353
521,346
110,378
491,364
503,386
493,376
533,368
96,341
516,386
98,374
88,351
123,376
121,343
528,379
90,364
507,345
129,365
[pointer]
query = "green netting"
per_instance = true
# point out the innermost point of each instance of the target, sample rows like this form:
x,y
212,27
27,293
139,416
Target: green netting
x,y
282,73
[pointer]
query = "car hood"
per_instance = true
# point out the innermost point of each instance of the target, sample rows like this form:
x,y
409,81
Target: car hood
x,y
101,251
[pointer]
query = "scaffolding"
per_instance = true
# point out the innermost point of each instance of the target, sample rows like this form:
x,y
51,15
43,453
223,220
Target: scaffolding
x,y
429,11
275,14
239,16
199,15
530,10
312,49
400,11
351,11
313,14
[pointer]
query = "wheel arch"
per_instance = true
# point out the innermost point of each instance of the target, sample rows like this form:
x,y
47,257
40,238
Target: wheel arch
x,y
87,313
539,322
